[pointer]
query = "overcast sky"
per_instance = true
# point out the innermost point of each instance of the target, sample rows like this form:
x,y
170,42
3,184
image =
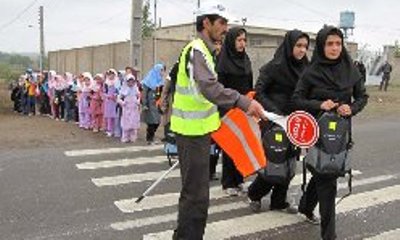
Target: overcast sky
x,y
77,23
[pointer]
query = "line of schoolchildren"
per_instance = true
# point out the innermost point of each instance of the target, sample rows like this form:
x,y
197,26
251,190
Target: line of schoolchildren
x,y
109,102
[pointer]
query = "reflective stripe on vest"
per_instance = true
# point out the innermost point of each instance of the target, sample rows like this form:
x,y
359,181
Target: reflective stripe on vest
x,y
240,137
183,90
192,114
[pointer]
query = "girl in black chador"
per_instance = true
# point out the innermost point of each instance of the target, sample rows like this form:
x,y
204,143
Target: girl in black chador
x,y
274,90
234,71
330,83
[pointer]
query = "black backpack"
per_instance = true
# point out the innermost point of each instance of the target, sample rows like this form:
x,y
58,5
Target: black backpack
x,y
281,155
330,155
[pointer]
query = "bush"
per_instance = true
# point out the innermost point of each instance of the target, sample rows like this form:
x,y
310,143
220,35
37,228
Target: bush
x,y
8,74
13,65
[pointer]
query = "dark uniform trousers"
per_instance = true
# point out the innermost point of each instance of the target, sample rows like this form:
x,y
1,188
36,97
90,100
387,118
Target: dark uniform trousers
x,y
384,82
260,187
194,160
321,190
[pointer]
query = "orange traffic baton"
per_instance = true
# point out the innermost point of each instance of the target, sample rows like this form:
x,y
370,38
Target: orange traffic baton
x,y
240,138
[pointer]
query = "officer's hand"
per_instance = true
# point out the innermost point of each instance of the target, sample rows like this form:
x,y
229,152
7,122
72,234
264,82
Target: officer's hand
x,y
328,105
344,110
256,110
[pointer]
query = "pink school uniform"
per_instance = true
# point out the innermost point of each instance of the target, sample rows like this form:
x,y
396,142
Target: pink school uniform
x,y
84,102
110,94
129,99
51,92
96,103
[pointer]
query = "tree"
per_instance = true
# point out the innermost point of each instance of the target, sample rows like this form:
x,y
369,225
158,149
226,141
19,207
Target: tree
x,y
148,26
7,73
12,65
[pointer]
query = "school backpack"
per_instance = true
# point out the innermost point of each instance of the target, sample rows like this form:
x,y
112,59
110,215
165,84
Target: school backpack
x,y
281,155
330,155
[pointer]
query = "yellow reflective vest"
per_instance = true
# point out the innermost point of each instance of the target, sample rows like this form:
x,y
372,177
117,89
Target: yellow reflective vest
x,y
192,113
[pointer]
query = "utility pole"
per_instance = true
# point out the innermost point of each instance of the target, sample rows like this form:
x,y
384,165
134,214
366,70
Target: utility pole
x,y
41,27
194,15
155,14
136,35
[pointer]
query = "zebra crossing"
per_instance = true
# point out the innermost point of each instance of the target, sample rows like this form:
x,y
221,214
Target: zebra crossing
x,y
160,209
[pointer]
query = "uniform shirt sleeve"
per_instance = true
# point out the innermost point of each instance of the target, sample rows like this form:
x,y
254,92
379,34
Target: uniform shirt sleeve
x,y
214,91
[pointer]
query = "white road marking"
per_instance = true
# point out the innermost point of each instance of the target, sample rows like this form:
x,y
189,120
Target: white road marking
x,y
171,217
87,152
137,177
268,220
141,222
171,199
121,162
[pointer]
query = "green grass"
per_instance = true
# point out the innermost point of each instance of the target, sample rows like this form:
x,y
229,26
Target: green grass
x,y
381,103
5,101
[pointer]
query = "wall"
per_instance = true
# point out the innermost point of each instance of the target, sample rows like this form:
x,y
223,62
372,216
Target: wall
x,y
395,62
162,48
84,57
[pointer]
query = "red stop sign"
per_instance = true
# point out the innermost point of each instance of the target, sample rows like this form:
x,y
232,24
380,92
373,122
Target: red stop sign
x,y
302,129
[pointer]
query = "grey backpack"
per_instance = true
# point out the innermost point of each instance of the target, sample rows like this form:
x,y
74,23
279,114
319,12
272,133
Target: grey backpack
x,y
330,155
281,156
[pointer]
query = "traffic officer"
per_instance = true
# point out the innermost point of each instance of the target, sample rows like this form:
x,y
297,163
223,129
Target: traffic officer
x,y
195,116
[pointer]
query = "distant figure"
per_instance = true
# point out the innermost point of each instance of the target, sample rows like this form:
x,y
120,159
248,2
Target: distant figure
x,y
386,69
361,68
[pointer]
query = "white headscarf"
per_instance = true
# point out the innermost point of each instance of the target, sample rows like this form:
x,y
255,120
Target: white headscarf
x,y
59,83
126,89
69,78
115,82
51,78
86,88
95,87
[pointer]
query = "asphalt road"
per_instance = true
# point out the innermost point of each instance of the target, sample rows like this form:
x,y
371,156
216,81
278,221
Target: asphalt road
x,y
68,192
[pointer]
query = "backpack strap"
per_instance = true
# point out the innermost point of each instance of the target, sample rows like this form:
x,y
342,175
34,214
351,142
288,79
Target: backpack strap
x,y
350,186
350,145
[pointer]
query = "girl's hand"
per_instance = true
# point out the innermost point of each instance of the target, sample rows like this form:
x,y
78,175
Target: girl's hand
x,y
328,105
344,110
